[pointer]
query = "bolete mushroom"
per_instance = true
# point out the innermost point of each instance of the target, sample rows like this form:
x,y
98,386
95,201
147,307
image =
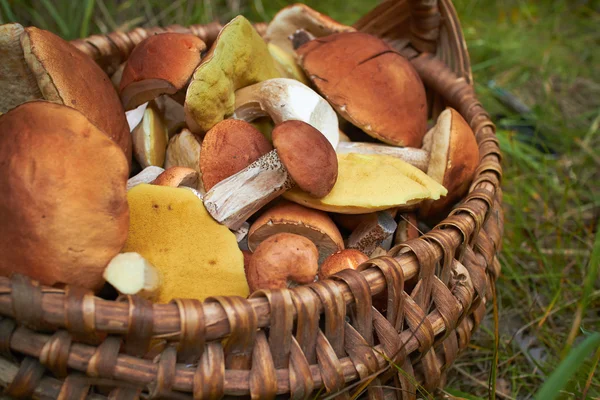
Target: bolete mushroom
x,y
453,159
63,209
367,183
229,147
286,99
150,138
294,218
160,64
283,260
299,16
178,176
344,259
302,157
370,84
238,58
37,64
132,274
415,157
196,256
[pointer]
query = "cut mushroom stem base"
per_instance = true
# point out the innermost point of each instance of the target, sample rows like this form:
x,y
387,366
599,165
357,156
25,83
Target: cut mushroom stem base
x,y
232,201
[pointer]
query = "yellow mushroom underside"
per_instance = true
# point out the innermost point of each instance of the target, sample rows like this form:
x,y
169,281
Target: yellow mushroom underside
x,y
196,256
368,183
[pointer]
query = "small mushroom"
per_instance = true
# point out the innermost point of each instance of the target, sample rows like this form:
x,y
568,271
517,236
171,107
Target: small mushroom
x,y
344,259
150,139
302,157
454,156
132,274
367,183
196,256
37,64
148,175
238,58
229,147
160,64
178,176
407,228
369,84
283,260
293,218
375,231
299,16
63,209
286,99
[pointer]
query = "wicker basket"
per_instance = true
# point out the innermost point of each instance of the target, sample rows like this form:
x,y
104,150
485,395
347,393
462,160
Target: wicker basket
x,y
324,338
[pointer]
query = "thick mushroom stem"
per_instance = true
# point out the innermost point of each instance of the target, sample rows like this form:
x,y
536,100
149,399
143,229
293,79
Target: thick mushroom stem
x,y
284,99
232,201
416,157
373,232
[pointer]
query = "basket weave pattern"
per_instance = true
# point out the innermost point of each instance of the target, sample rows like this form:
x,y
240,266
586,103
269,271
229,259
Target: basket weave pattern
x,y
323,337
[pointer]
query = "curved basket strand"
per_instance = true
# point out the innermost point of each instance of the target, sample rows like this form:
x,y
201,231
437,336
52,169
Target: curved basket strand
x,y
324,337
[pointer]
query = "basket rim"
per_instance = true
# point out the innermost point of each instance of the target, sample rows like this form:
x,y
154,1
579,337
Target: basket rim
x,y
476,224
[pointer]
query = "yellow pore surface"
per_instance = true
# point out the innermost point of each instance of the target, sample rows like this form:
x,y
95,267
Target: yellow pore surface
x,y
196,256
368,183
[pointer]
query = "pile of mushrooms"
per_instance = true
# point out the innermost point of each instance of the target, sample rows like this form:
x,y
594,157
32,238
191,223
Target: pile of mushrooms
x,y
197,172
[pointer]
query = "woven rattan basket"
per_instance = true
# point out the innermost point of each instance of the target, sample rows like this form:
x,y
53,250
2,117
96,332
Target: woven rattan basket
x,y
320,339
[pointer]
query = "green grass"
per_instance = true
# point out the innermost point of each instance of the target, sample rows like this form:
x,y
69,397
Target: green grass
x,y
545,52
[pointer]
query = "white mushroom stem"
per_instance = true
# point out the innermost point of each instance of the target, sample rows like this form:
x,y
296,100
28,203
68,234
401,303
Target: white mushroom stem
x,y
132,274
233,200
287,99
373,232
148,175
416,157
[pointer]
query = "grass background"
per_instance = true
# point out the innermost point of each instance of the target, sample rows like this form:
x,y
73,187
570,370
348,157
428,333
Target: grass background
x,y
545,53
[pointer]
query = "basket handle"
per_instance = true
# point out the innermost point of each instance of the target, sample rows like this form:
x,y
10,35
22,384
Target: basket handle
x,y
425,19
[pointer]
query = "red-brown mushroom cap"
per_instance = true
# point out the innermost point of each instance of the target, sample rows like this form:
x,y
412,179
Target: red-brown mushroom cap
x,y
229,147
345,259
63,209
281,261
160,64
369,84
454,156
307,155
67,76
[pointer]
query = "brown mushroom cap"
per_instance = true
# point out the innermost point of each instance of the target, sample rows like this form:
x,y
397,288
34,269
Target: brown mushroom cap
x,y
454,156
369,84
294,218
345,259
67,76
63,212
160,64
178,176
307,155
229,147
282,260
